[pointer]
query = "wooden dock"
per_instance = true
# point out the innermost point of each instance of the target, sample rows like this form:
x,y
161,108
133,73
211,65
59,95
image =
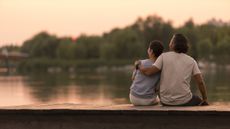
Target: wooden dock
x,y
126,116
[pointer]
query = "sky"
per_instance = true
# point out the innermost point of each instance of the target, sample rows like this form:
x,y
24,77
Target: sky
x,y
21,19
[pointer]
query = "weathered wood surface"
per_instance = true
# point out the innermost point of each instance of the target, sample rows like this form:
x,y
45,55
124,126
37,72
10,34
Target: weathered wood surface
x,y
72,106
126,116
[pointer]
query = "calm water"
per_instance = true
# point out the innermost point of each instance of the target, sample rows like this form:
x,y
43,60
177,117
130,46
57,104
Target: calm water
x,y
90,88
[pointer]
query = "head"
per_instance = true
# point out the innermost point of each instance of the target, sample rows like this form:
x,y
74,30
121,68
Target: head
x,y
155,48
179,43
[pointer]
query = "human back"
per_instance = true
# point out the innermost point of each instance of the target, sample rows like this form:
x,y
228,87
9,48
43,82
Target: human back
x,y
175,89
144,86
177,69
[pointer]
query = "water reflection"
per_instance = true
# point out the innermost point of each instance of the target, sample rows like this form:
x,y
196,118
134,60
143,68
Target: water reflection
x,y
218,83
13,91
89,88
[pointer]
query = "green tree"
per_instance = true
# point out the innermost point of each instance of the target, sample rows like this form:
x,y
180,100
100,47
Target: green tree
x,y
88,47
223,51
125,43
41,45
189,29
66,49
11,48
155,28
107,51
205,47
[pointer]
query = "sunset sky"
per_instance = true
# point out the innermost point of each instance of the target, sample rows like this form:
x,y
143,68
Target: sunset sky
x,y
21,19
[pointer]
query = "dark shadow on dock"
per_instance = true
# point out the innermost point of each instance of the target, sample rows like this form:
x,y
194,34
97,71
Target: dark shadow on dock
x,y
72,116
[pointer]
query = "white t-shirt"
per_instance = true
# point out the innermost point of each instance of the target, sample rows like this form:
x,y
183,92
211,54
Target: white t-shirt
x,y
176,72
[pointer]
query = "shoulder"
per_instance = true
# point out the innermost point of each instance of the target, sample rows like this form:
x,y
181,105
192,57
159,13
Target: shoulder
x,y
183,55
189,57
146,61
167,53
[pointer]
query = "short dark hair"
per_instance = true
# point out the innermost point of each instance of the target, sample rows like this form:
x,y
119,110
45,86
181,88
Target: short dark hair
x,y
157,47
180,43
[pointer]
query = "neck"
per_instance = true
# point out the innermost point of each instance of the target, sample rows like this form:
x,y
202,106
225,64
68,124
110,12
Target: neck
x,y
153,58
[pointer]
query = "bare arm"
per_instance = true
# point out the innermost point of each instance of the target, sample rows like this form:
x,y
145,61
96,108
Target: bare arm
x,y
149,71
201,85
136,65
134,74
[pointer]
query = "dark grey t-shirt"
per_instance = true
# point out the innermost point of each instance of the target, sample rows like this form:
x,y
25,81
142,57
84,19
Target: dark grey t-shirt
x,y
144,86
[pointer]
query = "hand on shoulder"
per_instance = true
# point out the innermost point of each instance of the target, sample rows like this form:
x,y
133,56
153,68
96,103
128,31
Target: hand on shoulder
x,y
137,64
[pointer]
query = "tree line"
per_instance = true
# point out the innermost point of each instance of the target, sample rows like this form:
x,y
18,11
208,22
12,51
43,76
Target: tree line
x,y
209,41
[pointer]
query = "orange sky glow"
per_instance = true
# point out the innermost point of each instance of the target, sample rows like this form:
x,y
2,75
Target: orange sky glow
x,y
21,19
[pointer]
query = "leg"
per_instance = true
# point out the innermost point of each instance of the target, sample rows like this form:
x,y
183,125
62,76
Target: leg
x,y
142,102
195,101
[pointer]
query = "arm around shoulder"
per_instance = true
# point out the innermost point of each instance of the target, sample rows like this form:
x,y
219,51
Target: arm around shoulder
x,y
156,67
150,70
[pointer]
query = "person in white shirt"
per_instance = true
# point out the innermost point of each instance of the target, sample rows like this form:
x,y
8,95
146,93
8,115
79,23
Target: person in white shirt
x,y
177,69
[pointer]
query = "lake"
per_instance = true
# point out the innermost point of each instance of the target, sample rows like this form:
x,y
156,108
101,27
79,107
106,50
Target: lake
x,y
87,87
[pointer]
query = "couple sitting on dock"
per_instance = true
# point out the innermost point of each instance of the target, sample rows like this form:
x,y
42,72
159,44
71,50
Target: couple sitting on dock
x,y
168,76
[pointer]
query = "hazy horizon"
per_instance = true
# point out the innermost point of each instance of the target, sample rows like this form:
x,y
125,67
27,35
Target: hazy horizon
x,y
21,19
